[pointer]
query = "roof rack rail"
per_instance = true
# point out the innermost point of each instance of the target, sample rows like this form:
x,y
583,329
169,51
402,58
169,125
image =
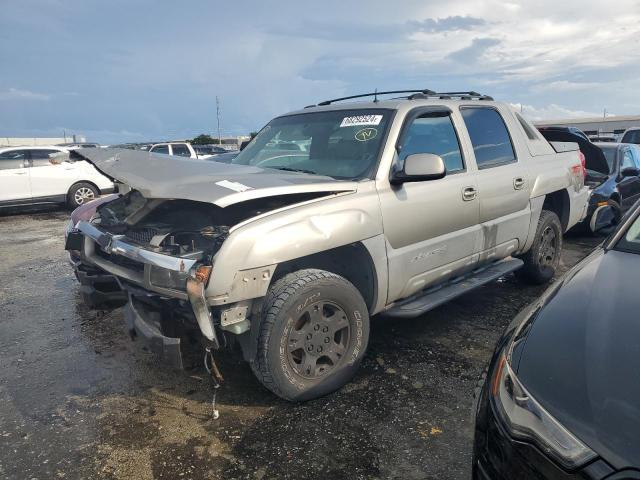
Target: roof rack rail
x,y
449,95
375,94
415,95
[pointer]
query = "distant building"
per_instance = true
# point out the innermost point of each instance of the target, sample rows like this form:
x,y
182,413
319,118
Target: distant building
x,y
613,125
18,142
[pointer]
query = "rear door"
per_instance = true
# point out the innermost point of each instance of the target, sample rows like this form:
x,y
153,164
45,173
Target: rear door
x,y
49,180
14,176
503,186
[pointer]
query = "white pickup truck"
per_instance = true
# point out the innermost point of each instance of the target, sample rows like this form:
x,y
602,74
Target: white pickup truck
x,y
393,207
179,149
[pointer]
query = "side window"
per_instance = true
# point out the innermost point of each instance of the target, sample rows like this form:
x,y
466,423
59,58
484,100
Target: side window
x,y
528,129
160,149
12,159
635,151
627,159
40,157
181,150
489,136
433,133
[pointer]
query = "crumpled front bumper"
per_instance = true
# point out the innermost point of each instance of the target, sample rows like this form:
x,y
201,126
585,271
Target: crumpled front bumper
x,y
144,324
92,238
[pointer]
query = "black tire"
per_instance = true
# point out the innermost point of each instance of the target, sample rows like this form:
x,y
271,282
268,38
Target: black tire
x,y
541,262
293,308
80,193
617,211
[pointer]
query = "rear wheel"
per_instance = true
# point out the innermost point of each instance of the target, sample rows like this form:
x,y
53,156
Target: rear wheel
x,y
543,258
313,335
81,193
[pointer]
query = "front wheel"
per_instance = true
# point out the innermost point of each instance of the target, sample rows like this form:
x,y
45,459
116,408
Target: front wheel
x,y
542,260
313,335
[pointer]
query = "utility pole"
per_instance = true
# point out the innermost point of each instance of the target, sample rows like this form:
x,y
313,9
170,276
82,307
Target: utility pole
x,y
218,117
604,115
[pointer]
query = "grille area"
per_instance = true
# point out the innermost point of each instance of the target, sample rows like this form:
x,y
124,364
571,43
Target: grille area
x,y
142,235
121,261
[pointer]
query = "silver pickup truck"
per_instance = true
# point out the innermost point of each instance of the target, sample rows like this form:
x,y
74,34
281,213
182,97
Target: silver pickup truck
x,y
388,207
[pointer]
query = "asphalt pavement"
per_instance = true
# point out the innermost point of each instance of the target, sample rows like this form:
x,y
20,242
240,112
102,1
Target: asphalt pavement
x,y
79,399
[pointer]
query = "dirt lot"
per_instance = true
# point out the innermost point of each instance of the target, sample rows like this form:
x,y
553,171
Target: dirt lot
x,y
79,399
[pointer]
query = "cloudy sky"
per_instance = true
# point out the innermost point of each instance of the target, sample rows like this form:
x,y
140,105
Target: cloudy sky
x,y
135,70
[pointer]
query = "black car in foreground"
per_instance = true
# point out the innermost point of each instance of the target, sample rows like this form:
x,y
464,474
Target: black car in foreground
x,y
561,399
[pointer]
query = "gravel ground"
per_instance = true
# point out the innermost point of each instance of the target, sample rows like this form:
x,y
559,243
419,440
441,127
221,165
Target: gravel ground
x,y
79,399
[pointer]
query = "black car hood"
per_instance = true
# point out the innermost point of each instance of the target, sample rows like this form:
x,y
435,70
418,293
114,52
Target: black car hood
x,y
593,155
581,359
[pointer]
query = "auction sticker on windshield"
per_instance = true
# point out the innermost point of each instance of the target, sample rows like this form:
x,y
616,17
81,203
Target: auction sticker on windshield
x,y
358,120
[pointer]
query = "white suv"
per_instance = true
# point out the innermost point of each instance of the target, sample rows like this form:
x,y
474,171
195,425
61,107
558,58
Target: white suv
x,y
28,177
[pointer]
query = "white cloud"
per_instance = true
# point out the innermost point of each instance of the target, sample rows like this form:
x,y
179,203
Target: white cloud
x,y
553,112
19,94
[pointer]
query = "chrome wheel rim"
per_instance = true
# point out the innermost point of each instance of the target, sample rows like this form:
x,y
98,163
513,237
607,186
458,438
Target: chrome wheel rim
x,y
83,195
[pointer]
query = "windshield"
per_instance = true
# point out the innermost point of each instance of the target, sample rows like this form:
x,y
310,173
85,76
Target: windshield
x,y
343,144
630,242
610,155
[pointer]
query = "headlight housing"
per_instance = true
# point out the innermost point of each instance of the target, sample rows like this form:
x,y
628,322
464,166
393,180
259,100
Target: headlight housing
x,y
165,278
527,420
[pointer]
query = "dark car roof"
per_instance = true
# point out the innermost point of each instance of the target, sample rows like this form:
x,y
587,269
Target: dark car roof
x,y
581,359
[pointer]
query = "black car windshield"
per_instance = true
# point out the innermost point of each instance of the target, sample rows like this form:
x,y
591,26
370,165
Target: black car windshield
x,y
610,155
630,242
343,144
632,136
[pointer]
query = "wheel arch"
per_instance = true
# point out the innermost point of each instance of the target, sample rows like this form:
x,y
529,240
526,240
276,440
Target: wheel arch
x,y
352,261
559,203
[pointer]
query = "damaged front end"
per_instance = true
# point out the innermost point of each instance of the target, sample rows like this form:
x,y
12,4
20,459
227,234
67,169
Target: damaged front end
x,y
161,253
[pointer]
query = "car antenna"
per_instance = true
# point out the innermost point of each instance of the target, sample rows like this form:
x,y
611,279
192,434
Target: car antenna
x,y
375,96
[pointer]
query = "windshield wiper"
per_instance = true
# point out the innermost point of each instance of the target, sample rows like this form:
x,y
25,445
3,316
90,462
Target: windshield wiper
x,y
289,169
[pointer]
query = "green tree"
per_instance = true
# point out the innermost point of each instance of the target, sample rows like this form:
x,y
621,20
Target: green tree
x,y
203,139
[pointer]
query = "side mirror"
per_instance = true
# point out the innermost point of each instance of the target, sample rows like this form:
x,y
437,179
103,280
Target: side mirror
x,y
420,167
629,172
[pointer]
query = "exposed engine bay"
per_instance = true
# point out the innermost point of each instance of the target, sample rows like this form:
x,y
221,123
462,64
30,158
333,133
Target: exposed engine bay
x,y
181,228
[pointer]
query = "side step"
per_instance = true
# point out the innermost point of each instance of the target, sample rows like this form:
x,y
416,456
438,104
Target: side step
x,y
432,298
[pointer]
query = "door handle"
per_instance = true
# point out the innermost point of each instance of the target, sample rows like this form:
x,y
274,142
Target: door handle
x,y
20,173
469,193
518,183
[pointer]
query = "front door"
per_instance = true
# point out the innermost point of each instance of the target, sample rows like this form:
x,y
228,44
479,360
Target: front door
x,y
431,227
14,176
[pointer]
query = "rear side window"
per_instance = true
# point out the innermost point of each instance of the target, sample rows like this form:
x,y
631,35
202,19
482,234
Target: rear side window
x,y
12,159
489,136
528,129
160,149
433,133
40,157
181,150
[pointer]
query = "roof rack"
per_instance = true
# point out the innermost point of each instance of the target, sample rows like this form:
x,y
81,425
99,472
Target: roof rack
x,y
415,95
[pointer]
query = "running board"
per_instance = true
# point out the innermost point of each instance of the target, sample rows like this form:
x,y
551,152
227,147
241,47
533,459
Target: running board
x,y
436,296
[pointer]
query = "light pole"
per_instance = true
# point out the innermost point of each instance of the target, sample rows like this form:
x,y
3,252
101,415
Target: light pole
x,y
218,117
